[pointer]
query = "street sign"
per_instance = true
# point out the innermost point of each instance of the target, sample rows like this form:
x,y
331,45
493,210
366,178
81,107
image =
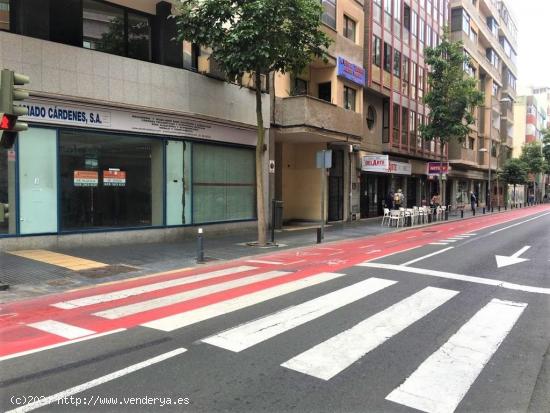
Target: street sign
x,y
324,159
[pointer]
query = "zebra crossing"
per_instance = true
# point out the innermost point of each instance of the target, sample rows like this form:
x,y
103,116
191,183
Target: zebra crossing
x,y
438,384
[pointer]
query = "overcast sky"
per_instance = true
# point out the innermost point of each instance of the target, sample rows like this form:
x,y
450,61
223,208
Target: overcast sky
x,y
533,19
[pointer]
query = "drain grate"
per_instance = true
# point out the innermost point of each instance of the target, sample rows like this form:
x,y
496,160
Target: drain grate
x,y
107,271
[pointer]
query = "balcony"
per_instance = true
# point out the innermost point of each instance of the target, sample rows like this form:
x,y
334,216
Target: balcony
x,y
312,119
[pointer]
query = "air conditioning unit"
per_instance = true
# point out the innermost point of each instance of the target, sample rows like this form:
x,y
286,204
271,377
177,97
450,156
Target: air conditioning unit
x,y
210,67
248,80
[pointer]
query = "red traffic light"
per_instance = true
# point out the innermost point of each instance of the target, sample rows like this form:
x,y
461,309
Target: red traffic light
x,y
7,122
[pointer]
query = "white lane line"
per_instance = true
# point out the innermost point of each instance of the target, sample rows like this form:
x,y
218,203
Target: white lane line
x,y
456,238
61,329
139,307
249,334
96,382
176,321
330,357
65,343
366,246
460,277
442,381
373,251
518,223
264,262
450,240
427,256
470,234
439,243
130,292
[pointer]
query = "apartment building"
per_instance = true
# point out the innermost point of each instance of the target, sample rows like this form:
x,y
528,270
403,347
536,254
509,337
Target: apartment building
x,y
393,154
489,34
131,137
322,109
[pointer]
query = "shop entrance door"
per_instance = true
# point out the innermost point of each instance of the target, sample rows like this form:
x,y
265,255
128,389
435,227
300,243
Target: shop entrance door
x,y
175,200
336,187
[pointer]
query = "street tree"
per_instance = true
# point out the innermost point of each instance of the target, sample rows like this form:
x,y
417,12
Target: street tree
x,y
514,172
452,96
532,156
546,149
257,37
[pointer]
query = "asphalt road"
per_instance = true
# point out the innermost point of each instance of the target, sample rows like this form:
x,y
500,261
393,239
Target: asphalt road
x,y
438,328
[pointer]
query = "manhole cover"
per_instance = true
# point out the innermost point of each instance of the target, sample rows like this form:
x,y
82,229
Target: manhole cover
x,y
107,271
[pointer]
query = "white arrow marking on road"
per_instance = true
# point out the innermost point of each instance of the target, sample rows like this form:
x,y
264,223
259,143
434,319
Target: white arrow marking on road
x,y
503,261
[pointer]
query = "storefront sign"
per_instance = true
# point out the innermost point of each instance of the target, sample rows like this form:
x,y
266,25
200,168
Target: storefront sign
x,y
375,163
434,167
352,72
85,178
87,116
114,178
400,168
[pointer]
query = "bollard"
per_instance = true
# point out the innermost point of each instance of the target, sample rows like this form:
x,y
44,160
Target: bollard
x,y
446,215
461,213
319,235
499,208
492,209
483,210
506,207
200,247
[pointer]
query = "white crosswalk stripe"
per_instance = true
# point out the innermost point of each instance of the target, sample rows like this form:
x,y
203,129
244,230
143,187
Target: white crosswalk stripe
x,y
177,321
129,292
330,357
440,383
139,307
257,331
61,329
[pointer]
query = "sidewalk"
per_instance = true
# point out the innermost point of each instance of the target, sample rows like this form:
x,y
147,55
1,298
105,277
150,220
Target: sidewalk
x,y
30,277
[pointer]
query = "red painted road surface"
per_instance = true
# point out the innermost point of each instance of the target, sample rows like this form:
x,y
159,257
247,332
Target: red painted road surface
x,y
17,336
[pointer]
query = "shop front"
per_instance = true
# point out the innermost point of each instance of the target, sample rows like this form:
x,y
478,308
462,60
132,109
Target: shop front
x,y
82,168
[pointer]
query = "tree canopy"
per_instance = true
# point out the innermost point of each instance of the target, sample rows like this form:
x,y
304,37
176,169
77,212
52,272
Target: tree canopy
x,y
546,149
532,156
452,92
514,172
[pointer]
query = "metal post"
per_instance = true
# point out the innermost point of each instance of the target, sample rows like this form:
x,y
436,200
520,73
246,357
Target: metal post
x,y
461,213
319,235
323,195
273,221
483,210
200,247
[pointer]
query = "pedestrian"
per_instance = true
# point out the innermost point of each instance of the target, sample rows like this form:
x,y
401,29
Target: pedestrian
x,y
473,200
389,200
398,199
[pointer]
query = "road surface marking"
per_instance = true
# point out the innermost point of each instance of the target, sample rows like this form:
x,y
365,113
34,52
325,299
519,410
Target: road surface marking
x,y
441,382
139,307
439,243
518,223
427,256
246,335
390,241
96,382
60,260
65,343
366,246
470,234
264,262
460,277
373,251
61,329
176,321
503,261
330,357
450,240
462,236
412,236
456,238
118,295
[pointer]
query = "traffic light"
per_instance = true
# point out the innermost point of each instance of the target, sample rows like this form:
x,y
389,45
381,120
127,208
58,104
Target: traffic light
x,y
9,109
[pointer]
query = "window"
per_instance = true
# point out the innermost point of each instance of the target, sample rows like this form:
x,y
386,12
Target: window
x,y
386,121
421,31
110,181
397,63
407,17
495,90
299,87
404,126
4,22
471,143
329,13
349,98
405,77
325,91
493,58
473,36
371,117
396,124
377,10
420,83
387,57
111,29
349,28
397,10
224,183
414,24
376,52
387,14
414,70
493,26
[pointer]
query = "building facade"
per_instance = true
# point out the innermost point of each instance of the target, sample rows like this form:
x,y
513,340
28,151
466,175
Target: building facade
x,y
128,130
322,109
398,32
489,34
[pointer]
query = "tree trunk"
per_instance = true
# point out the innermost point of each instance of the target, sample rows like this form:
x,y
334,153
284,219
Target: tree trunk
x,y
260,200
442,194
